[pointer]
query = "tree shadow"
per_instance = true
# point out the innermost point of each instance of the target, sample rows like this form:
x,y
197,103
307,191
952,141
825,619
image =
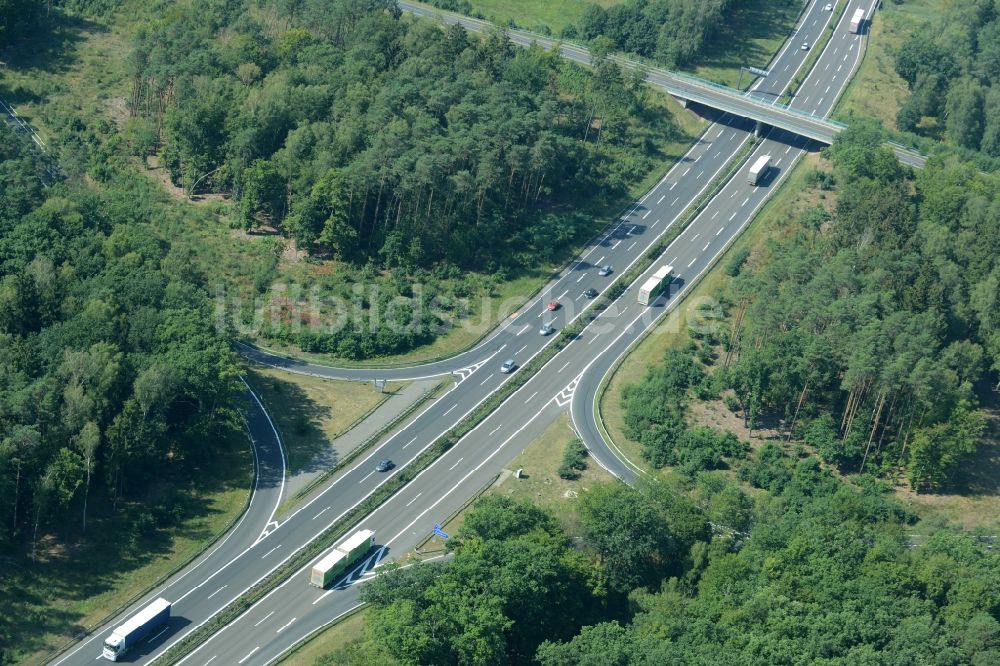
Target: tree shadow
x,y
53,48
736,42
299,419
979,474
38,600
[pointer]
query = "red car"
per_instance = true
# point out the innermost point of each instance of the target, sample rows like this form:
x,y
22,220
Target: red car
x,y
553,305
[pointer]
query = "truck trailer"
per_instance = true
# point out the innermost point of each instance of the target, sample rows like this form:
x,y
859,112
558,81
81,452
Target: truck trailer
x,y
654,285
137,627
758,169
858,20
334,564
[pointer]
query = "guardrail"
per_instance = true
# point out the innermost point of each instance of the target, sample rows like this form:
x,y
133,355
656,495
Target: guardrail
x,y
700,90
194,555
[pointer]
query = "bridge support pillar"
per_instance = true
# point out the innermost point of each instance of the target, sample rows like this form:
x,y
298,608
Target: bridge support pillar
x,y
684,102
759,129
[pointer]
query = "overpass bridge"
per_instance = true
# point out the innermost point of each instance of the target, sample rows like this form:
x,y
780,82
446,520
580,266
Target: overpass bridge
x,y
706,93
683,86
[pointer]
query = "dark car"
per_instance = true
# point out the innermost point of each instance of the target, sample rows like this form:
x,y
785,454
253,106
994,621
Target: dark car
x,y
384,465
605,270
590,293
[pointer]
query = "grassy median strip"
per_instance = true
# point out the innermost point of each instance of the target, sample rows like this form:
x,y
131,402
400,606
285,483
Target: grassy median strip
x,y
330,536
817,49
353,455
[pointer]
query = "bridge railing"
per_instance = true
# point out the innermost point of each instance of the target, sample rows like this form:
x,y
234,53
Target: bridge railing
x,y
746,97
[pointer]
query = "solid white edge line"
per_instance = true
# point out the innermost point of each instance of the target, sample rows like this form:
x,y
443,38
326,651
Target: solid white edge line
x,y
203,558
642,199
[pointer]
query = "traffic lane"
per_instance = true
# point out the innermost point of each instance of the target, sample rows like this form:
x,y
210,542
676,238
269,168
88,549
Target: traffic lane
x,y
835,67
640,227
268,488
785,64
344,481
514,410
276,623
487,450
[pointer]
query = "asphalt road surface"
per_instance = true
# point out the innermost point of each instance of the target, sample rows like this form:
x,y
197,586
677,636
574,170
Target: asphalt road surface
x,y
296,609
191,587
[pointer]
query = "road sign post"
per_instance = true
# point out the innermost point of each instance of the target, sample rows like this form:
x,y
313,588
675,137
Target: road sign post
x,y
439,532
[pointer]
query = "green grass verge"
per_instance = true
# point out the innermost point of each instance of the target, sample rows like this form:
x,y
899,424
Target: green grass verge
x,y
877,91
752,34
77,585
541,483
534,15
311,412
345,632
792,199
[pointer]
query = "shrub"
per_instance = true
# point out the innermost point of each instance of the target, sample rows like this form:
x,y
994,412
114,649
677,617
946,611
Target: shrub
x,y
574,460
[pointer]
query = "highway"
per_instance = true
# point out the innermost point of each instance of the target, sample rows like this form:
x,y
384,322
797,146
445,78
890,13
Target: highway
x,y
805,121
191,587
738,202
295,609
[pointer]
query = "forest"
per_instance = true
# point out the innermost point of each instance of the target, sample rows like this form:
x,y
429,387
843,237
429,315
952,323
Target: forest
x,y
952,68
382,151
370,136
868,333
114,378
671,32
18,18
818,571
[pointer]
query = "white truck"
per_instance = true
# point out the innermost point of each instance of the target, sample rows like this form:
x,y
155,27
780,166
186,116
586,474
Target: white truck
x,y
758,169
140,625
858,20
654,285
334,564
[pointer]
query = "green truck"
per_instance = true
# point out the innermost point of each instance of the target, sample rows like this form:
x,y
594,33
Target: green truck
x,y
341,557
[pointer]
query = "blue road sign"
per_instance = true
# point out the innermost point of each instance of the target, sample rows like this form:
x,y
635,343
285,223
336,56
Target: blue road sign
x,y
438,531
